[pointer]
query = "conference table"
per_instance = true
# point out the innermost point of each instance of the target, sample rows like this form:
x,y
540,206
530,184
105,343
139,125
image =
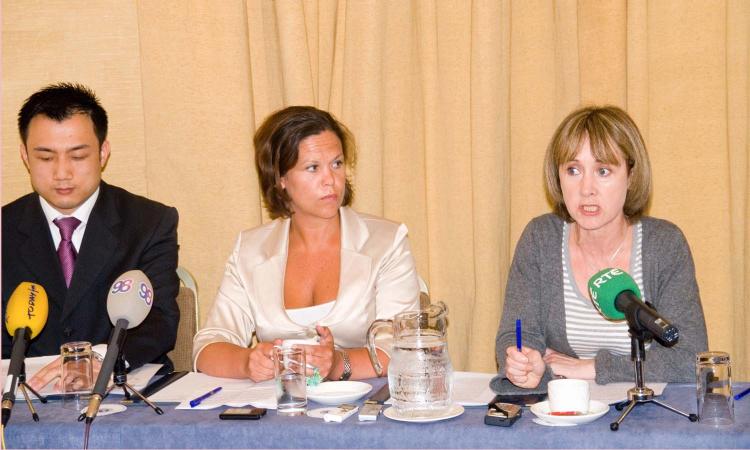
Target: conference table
x,y
647,426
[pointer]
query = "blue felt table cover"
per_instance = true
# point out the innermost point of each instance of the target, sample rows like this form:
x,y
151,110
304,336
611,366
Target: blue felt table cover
x,y
648,426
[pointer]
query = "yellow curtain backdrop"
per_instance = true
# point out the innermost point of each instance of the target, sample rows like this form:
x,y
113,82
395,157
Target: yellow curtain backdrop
x,y
451,102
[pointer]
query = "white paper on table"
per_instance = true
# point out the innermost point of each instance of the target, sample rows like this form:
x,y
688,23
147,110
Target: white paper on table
x,y
618,392
470,389
233,392
138,378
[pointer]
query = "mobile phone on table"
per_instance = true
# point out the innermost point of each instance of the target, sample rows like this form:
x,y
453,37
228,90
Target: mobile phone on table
x,y
242,414
502,414
341,413
520,399
509,393
370,411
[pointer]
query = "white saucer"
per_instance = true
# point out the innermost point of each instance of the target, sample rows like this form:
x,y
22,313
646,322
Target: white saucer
x,y
454,411
539,421
596,410
338,392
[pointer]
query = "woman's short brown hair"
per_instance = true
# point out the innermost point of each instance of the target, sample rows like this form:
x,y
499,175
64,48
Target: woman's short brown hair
x,y
611,132
277,150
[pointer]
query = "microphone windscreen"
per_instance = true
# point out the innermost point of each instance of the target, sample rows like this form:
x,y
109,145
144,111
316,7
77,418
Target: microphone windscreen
x,y
605,286
130,298
27,307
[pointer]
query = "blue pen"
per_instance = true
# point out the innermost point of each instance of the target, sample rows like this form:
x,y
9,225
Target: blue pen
x,y
742,394
518,334
197,401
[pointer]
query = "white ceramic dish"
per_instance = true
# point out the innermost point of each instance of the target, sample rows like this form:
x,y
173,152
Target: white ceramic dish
x,y
539,421
596,410
454,411
337,392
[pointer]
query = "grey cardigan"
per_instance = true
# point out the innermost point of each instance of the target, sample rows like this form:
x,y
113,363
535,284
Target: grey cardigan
x,y
535,295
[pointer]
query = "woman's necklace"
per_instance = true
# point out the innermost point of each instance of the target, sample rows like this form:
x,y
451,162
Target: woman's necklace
x,y
611,257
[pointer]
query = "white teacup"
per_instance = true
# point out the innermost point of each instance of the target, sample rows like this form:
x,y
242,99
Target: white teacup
x,y
568,396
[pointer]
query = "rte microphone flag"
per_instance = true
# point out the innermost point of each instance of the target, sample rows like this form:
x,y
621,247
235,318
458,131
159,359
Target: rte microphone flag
x,y
25,316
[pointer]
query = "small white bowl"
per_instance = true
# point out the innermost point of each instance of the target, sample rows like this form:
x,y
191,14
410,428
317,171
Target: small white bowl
x,y
337,392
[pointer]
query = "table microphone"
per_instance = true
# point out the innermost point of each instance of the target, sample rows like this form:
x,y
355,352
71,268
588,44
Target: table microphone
x,y
616,295
128,303
25,316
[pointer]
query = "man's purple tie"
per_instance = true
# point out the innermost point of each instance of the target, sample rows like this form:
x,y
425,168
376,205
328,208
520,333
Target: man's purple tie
x,y
65,251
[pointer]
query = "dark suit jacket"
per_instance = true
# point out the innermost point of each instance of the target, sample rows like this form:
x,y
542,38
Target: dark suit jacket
x,y
124,232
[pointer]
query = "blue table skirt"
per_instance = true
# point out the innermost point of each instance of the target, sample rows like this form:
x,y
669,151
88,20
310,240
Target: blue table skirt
x,y
648,426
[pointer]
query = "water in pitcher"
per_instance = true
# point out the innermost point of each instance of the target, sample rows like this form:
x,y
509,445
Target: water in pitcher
x,y
420,376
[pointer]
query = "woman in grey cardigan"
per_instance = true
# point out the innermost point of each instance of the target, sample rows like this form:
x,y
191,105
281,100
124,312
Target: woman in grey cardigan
x,y
599,178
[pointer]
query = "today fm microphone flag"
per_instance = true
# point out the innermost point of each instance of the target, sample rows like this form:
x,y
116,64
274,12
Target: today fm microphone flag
x,y
128,303
617,296
25,316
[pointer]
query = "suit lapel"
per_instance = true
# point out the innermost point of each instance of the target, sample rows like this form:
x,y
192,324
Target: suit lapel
x,y
355,266
99,244
269,276
37,252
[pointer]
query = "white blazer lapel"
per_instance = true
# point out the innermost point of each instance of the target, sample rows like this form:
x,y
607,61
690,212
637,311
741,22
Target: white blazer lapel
x,y
355,266
268,280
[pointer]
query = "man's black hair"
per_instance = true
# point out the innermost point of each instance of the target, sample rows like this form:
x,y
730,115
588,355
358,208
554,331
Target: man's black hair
x,y
61,101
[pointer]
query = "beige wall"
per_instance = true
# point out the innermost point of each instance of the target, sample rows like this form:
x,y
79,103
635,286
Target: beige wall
x,y
452,104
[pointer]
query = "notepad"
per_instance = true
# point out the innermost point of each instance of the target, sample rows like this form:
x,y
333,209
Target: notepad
x,y
234,392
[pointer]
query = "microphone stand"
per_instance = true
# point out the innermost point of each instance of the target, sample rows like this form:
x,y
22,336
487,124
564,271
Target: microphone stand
x,y
23,387
640,393
120,378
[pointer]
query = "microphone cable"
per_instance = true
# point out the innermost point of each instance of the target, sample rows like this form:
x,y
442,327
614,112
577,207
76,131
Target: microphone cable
x,y
86,432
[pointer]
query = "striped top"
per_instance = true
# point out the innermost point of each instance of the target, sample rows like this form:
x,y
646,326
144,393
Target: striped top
x,y
587,330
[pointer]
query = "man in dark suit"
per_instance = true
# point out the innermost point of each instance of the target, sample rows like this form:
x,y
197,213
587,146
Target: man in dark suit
x,y
75,234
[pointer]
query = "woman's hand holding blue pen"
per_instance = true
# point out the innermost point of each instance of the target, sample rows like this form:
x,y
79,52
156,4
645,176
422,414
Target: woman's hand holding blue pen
x,y
525,368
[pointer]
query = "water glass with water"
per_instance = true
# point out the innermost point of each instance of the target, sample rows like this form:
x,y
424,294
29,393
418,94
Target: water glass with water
x,y
714,388
291,389
77,374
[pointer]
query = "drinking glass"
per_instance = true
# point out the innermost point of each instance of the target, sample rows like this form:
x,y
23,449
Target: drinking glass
x,y
289,370
77,374
714,388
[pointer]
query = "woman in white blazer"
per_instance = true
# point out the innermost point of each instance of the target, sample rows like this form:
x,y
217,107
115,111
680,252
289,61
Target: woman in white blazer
x,y
318,268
